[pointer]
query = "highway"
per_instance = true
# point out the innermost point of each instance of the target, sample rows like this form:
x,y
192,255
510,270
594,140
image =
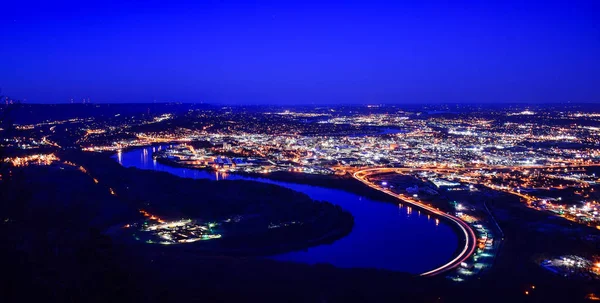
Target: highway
x,y
468,233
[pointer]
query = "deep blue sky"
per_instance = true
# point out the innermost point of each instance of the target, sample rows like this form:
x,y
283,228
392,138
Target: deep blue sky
x,y
301,52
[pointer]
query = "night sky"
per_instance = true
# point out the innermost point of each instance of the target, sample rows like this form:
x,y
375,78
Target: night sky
x,y
304,52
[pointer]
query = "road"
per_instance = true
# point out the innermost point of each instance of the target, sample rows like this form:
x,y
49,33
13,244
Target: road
x,y
470,240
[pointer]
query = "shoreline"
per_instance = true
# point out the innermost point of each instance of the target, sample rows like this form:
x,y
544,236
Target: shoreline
x,y
345,182
351,184
470,238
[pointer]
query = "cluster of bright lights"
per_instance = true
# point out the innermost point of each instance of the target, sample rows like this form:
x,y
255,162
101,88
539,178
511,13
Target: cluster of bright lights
x,y
38,159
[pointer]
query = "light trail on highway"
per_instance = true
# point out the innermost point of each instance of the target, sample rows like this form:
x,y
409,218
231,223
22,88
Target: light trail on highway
x,y
469,234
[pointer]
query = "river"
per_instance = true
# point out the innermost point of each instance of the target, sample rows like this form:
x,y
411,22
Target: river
x,y
385,235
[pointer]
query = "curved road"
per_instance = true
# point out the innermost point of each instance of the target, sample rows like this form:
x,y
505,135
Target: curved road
x,y
469,234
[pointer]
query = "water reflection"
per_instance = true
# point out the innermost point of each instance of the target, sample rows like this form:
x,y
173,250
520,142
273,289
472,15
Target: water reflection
x,y
384,235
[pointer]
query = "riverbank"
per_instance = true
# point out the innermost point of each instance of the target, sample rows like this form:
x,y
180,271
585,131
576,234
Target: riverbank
x,y
349,184
469,235
343,182
383,236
